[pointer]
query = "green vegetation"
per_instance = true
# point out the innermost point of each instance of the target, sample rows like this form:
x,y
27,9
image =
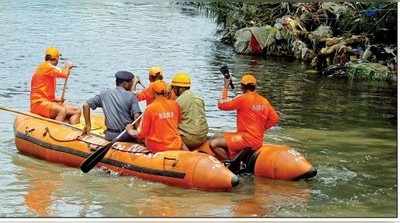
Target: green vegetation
x,y
363,17
330,36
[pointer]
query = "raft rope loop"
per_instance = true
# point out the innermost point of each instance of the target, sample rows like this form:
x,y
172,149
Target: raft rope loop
x,y
78,138
135,150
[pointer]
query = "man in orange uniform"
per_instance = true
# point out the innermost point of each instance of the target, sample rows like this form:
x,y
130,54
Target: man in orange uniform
x,y
43,88
159,126
155,73
254,116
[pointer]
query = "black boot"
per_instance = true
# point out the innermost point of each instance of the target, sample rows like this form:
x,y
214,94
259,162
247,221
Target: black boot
x,y
238,164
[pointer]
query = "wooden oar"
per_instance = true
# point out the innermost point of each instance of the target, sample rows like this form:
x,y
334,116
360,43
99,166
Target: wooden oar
x,y
99,154
44,119
63,91
35,116
65,87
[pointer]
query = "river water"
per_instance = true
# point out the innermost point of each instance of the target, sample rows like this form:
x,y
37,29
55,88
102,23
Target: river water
x,y
346,129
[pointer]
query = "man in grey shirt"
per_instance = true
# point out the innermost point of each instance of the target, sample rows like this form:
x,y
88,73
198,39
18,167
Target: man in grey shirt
x,y
120,107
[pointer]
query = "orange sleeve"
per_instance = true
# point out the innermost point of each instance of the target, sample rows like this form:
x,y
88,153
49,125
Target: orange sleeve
x,y
227,104
56,72
143,95
272,117
144,126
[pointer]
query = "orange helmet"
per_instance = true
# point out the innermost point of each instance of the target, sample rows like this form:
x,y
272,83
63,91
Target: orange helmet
x,y
248,78
159,86
53,52
154,71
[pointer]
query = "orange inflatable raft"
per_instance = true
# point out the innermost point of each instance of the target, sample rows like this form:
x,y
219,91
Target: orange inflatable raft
x,y
60,143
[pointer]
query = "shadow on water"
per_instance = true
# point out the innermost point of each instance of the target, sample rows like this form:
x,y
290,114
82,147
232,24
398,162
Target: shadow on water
x,y
271,197
256,197
39,182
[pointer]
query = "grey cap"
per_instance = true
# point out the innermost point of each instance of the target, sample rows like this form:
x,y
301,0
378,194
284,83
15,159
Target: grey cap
x,y
124,75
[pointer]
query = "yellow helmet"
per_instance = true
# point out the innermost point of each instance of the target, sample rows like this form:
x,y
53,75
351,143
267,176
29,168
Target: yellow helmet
x,y
248,78
159,86
181,79
154,71
53,53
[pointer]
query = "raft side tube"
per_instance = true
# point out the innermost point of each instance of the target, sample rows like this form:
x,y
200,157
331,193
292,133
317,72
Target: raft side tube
x,y
282,162
211,173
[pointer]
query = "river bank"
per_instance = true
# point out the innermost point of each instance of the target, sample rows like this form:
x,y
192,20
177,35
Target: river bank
x,y
354,40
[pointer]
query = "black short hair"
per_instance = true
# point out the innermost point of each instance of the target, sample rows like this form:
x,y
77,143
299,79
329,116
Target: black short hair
x,y
248,87
157,77
47,58
118,81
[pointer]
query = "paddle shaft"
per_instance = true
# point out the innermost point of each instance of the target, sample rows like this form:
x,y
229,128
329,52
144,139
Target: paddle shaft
x,y
123,132
34,116
64,88
90,162
141,85
43,119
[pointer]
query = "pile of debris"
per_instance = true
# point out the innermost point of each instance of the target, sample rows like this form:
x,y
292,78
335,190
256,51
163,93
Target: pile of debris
x,y
337,38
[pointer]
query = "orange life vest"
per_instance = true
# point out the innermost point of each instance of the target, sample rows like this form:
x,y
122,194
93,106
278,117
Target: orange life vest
x,y
159,126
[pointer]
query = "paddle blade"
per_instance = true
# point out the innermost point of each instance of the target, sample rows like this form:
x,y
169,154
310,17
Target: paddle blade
x,y
94,158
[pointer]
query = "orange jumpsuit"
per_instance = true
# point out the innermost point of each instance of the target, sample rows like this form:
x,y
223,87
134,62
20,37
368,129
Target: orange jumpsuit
x,y
147,94
43,88
254,116
159,126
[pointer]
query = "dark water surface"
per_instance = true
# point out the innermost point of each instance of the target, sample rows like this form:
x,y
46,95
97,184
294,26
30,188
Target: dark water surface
x,y
346,129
